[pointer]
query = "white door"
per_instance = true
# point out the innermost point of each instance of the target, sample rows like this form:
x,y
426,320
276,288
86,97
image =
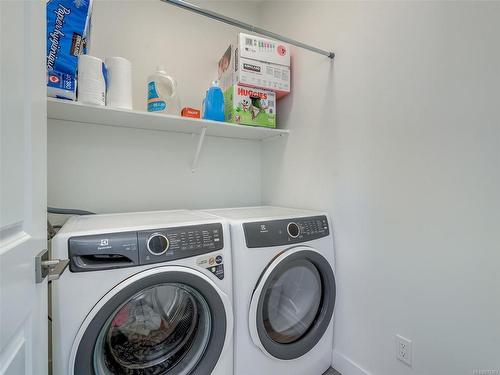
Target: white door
x,y
23,303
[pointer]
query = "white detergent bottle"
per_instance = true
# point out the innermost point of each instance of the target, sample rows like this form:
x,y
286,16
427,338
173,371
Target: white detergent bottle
x,y
162,93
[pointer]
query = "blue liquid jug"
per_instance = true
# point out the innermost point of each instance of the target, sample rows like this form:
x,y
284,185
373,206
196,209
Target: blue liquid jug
x,y
214,103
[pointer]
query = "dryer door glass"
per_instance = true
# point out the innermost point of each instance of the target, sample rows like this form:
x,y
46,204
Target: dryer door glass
x,y
292,305
164,329
292,302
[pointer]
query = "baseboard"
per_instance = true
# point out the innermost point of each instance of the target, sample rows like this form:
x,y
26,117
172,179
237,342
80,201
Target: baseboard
x,y
346,366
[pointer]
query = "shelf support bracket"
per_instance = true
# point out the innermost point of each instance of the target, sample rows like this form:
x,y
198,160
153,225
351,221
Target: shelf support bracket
x,y
198,149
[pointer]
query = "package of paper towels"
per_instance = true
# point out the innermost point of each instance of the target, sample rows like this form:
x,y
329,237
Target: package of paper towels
x,y
68,29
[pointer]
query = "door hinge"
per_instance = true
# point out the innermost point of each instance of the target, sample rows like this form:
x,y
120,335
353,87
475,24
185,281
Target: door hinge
x,y
53,268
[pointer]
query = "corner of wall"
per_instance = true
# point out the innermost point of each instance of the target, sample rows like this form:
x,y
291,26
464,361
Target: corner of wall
x,y
346,366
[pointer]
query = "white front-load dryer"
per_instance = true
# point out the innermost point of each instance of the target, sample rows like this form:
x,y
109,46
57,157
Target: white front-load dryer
x,y
284,290
145,293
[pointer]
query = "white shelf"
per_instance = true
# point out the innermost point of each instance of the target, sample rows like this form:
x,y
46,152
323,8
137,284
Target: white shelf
x,y
88,114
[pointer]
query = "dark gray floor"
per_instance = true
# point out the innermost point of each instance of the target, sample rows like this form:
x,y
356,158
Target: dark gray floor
x,y
331,371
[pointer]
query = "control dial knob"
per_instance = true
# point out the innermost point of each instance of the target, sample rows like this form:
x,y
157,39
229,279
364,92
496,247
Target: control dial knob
x,y
293,230
158,244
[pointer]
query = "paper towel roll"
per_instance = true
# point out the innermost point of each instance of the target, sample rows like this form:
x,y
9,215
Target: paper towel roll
x,y
119,91
91,85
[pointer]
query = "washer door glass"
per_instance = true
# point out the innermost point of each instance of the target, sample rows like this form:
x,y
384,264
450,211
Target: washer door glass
x,y
164,329
292,302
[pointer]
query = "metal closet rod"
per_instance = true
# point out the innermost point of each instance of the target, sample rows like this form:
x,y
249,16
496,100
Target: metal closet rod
x,y
231,21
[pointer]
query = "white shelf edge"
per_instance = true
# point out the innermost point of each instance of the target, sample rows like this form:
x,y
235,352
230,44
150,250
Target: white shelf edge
x,y
76,112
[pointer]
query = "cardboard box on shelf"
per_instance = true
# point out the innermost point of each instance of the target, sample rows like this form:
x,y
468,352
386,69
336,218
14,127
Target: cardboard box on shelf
x,y
256,62
250,106
263,49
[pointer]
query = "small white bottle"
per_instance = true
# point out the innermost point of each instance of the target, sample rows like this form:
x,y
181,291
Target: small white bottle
x,y
162,93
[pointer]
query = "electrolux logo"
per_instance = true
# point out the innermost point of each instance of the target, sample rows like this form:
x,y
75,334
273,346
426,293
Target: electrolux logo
x,y
251,67
103,244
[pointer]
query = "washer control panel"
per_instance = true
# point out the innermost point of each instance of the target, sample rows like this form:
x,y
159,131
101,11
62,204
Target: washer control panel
x,y
286,231
126,249
160,245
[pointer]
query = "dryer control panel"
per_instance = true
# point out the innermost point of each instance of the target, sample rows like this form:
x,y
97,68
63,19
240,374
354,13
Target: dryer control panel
x,y
286,231
126,249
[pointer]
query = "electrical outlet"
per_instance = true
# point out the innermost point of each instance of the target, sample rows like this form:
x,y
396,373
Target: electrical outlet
x,y
403,350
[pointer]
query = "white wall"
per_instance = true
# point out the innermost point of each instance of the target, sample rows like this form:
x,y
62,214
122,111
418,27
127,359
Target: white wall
x,y
106,169
399,140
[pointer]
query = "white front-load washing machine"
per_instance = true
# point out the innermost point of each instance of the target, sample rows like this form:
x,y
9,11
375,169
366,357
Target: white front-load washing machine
x,y
145,293
284,290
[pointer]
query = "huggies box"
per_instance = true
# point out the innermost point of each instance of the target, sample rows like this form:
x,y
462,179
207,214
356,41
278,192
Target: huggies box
x,y
250,106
